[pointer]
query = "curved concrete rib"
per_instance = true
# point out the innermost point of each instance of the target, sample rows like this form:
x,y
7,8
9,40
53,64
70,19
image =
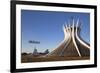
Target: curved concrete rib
x,y
76,33
67,41
74,40
66,34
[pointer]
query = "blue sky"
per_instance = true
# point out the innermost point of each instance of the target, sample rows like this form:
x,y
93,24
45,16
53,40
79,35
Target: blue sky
x,y
46,27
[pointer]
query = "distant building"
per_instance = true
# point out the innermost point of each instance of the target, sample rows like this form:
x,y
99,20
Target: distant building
x,y
36,53
46,51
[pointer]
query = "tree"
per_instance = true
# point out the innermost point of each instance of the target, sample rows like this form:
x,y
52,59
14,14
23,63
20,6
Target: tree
x,y
24,53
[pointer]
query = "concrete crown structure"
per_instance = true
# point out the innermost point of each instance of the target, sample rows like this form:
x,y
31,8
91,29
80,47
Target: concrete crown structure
x,y
72,45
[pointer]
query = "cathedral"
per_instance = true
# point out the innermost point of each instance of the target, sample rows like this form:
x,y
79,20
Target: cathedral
x,y
72,45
